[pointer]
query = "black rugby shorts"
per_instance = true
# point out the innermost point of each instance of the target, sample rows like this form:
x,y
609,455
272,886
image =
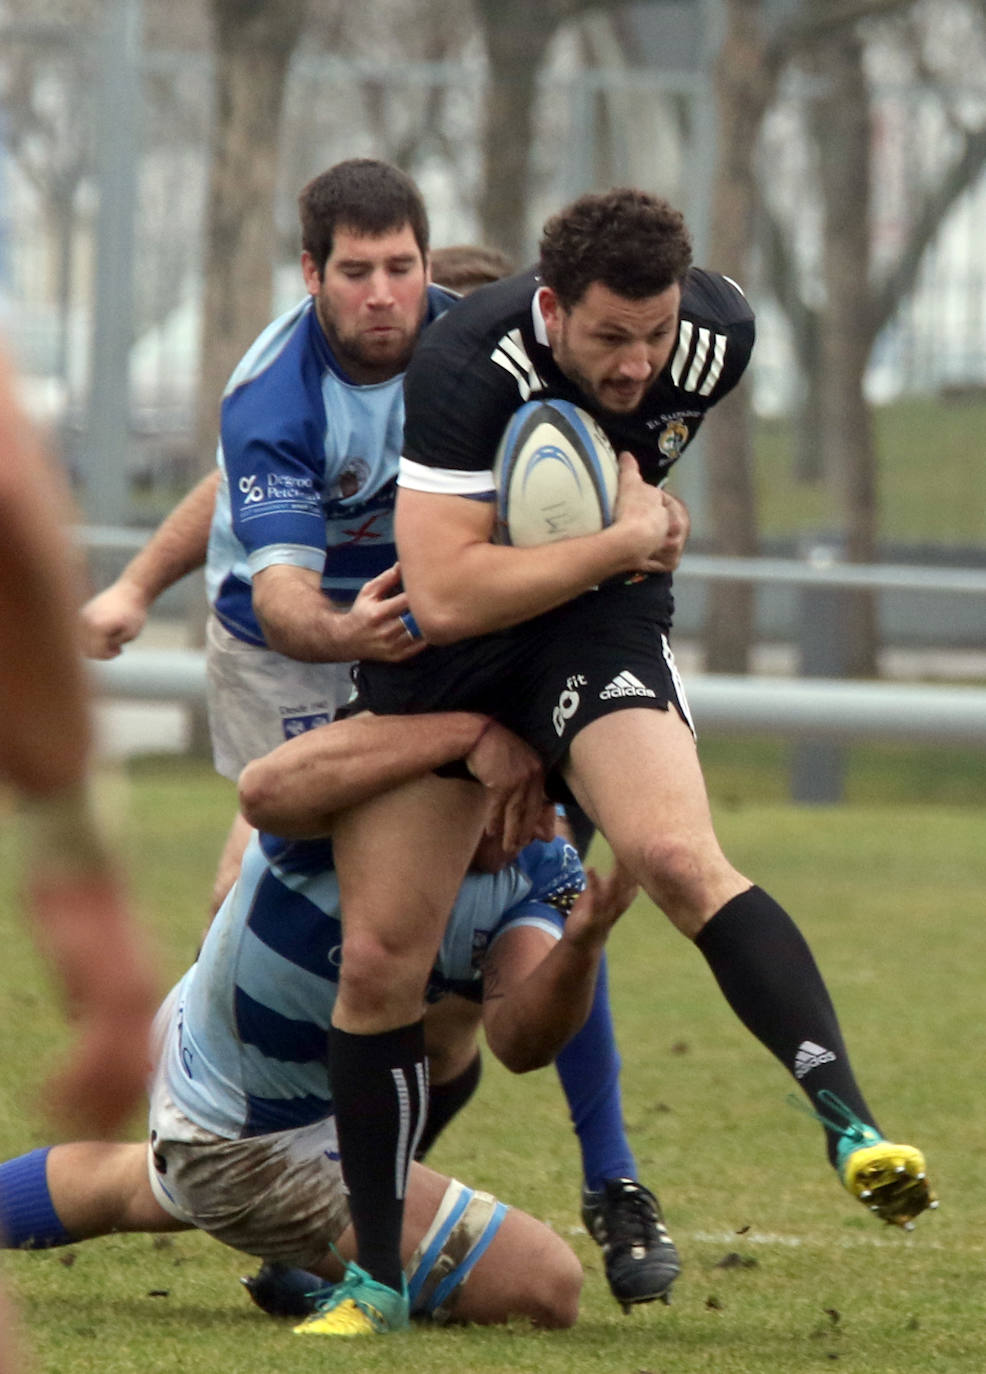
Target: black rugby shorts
x,y
549,677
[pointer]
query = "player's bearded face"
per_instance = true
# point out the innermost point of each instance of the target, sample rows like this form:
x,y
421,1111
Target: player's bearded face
x,y
612,347
371,301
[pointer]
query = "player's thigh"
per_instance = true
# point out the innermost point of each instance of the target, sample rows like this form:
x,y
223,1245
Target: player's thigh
x,y
278,1196
636,772
401,857
633,767
102,1186
527,1271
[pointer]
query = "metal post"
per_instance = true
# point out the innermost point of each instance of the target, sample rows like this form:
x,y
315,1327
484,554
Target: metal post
x,y
818,765
108,419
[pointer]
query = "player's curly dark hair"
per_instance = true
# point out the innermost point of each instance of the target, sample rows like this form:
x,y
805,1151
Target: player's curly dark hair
x,y
362,195
635,244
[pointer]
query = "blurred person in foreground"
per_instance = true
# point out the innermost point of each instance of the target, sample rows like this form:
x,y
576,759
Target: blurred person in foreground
x,y
73,892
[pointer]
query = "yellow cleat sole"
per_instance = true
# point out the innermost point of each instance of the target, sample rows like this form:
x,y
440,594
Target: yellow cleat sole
x,y
890,1180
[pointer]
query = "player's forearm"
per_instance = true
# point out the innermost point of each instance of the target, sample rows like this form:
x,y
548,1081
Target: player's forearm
x,y
460,584
480,588
309,632
45,731
533,1020
298,619
297,789
177,547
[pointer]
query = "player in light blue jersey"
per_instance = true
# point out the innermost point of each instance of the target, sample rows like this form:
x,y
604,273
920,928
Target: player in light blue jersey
x,y
242,1090
300,570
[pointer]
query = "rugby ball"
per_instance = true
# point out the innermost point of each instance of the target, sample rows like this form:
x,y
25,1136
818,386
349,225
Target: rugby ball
x,y
555,473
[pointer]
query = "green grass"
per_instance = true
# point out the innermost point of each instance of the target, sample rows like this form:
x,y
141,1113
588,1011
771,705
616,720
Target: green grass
x,y
888,888
931,481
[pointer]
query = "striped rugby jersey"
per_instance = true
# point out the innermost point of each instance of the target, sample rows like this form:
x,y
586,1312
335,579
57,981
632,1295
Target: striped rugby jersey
x,y
308,461
244,1051
480,362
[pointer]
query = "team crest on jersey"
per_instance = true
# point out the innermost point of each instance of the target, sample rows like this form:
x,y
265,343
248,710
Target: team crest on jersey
x,y
672,439
353,477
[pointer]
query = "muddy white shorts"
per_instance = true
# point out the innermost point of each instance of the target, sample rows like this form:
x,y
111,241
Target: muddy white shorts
x,y
281,1197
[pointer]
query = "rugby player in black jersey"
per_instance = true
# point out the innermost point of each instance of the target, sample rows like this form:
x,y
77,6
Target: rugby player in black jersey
x,y
567,644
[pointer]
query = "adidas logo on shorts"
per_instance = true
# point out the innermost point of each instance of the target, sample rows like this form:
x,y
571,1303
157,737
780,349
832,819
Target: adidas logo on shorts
x,y
625,685
809,1056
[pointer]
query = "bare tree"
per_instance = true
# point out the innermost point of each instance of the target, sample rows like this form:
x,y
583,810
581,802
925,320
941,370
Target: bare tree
x,y
860,288
845,434
46,83
253,44
517,35
744,82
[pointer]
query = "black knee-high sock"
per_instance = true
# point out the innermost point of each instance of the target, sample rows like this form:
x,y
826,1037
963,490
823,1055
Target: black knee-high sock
x,y
766,971
380,1092
446,1100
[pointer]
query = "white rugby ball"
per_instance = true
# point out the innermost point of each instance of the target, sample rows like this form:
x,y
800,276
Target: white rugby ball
x,y
556,474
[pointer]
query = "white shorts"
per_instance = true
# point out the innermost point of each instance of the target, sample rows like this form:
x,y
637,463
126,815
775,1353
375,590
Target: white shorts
x,y
278,1196
281,1197
257,698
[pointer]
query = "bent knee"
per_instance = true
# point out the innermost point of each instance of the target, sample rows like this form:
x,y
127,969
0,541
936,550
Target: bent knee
x,y
555,1305
689,880
377,977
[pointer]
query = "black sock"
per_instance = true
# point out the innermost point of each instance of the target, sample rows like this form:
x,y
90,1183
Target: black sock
x,y
766,971
380,1092
446,1100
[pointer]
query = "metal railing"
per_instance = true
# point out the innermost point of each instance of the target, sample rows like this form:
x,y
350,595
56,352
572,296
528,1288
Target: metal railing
x,y
797,707
821,712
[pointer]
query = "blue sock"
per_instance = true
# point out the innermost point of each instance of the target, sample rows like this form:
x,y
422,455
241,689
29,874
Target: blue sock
x,y
589,1069
28,1220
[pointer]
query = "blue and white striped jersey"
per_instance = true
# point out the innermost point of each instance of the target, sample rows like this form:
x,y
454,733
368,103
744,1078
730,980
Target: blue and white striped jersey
x,y
309,461
245,1051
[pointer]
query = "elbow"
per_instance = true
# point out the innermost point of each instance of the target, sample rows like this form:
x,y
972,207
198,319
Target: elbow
x,y
442,624
449,622
519,1055
276,640
448,611
257,796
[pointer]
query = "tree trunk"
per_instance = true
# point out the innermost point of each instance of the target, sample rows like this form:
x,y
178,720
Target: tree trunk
x,y
253,43
846,431
517,35
743,90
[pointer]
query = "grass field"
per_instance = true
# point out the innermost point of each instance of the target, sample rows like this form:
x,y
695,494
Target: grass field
x,y
784,1273
920,501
